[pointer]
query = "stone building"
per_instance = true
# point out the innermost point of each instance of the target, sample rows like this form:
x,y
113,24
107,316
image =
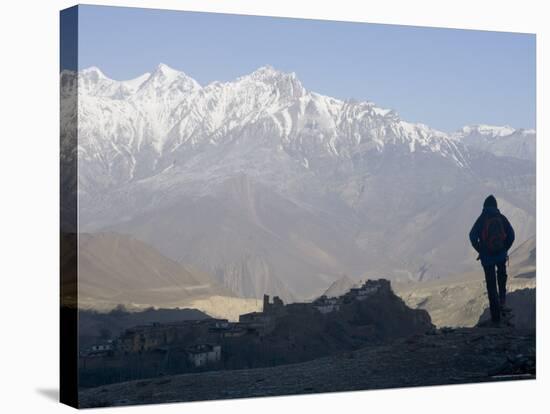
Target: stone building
x,y
99,349
369,288
225,329
143,338
203,354
274,307
326,305
258,323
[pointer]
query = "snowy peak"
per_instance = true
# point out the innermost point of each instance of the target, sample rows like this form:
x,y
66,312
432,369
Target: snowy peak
x,y
93,82
285,84
167,82
269,74
94,74
166,70
503,141
166,74
163,82
134,84
138,127
488,130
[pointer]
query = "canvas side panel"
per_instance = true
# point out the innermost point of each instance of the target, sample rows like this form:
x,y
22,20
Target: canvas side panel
x,y
68,206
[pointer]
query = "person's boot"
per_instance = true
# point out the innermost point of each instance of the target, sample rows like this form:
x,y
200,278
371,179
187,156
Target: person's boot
x,y
503,308
489,323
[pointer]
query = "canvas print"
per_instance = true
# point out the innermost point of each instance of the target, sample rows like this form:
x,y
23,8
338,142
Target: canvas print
x,y
255,206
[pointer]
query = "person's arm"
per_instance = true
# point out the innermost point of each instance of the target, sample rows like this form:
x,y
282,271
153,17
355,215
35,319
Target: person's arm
x,y
474,235
510,234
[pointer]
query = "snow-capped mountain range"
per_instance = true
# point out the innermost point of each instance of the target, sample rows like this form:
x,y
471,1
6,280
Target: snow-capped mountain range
x,y
154,117
502,141
293,187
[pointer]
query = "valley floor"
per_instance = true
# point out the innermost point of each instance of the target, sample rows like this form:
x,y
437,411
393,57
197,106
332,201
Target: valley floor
x,y
446,356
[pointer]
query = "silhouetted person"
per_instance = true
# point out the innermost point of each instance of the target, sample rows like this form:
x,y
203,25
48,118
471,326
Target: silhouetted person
x,y
492,236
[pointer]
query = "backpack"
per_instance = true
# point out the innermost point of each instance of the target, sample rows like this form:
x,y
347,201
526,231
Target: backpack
x,y
493,235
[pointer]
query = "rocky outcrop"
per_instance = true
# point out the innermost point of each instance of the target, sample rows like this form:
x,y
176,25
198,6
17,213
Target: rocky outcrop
x,y
460,300
523,308
300,332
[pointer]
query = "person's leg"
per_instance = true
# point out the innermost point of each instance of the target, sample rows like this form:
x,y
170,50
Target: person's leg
x,y
501,280
490,281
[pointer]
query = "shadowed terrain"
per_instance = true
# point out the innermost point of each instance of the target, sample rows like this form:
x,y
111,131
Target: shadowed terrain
x,y
442,357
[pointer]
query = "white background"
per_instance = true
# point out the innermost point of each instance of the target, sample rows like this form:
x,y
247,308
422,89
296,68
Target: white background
x,y
29,205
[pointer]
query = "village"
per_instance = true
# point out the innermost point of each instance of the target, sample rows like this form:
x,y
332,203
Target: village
x,y
203,344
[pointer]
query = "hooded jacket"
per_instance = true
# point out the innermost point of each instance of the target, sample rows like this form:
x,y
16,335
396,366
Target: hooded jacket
x,y
475,237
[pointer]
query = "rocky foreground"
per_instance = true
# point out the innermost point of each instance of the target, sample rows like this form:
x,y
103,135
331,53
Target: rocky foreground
x,y
445,356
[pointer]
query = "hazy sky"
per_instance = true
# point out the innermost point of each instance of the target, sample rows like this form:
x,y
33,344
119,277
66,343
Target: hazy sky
x,y
442,77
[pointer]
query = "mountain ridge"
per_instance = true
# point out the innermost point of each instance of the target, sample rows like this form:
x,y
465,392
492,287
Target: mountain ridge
x,y
288,175
117,269
177,114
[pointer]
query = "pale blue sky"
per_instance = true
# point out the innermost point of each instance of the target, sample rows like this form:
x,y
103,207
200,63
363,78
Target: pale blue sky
x,y
442,77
